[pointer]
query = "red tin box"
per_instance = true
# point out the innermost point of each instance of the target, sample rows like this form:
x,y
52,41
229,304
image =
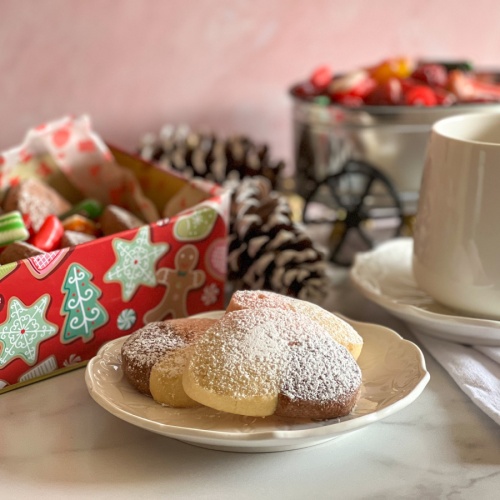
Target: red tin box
x,y
57,309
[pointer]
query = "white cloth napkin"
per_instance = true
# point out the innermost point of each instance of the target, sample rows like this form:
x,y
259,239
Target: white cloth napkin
x,y
476,370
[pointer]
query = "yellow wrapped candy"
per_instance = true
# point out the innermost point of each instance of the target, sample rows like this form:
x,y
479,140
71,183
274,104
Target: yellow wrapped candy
x,y
397,67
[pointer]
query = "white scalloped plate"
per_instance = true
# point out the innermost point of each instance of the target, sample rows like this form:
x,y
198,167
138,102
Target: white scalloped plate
x,y
394,375
384,275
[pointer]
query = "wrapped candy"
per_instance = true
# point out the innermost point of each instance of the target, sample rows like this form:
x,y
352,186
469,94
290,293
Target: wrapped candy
x,y
12,228
399,81
49,235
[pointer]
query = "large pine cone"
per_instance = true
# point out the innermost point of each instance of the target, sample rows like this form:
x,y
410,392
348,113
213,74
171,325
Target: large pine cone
x,y
267,250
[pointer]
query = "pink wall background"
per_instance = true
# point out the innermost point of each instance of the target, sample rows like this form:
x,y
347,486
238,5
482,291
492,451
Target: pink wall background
x,y
223,65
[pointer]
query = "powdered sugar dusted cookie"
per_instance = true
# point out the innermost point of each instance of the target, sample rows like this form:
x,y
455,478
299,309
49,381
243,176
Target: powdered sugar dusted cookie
x,y
272,362
339,329
154,357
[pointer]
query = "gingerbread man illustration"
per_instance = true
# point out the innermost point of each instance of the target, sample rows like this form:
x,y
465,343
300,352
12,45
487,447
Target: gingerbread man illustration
x,y
178,282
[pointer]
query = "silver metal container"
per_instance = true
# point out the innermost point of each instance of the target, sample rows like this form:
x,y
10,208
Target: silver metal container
x,y
392,139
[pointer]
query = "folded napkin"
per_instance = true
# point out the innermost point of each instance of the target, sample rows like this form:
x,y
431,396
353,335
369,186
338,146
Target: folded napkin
x,y
476,370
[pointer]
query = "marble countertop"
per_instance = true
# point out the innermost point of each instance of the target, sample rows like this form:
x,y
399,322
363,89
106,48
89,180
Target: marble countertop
x,y
56,442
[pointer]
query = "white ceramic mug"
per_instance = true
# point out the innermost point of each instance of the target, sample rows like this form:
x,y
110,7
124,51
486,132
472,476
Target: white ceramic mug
x,y
456,254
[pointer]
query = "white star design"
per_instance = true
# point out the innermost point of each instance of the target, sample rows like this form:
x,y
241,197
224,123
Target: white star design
x,y
24,329
135,262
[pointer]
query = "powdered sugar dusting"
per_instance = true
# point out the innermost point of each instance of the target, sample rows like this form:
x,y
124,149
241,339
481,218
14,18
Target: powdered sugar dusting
x,y
319,370
146,346
251,353
340,330
173,363
255,299
227,360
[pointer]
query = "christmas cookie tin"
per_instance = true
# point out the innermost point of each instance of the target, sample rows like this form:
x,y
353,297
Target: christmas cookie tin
x,y
58,308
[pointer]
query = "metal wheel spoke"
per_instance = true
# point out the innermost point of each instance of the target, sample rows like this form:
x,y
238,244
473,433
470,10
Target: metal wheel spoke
x,y
364,237
357,194
365,192
339,243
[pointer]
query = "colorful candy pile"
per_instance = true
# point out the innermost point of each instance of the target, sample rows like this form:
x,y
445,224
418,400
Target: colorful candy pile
x,y
36,219
400,81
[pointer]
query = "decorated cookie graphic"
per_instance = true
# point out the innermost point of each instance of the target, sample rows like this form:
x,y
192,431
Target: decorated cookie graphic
x,y
84,314
41,266
178,282
24,329
195,226
135,263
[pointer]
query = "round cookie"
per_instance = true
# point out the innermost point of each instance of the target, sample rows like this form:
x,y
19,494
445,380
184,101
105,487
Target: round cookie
x,y
153,358
339,329
165,381
272,361
35,199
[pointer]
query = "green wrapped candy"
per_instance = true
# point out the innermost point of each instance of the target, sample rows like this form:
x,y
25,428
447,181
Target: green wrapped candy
x,y
12,228
90,208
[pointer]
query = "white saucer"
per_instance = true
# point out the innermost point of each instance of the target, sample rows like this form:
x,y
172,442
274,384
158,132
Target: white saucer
x,y
388,387
384,275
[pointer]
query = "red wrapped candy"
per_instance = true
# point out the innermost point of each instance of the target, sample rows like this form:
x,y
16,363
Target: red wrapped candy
x,y
49,235
321,77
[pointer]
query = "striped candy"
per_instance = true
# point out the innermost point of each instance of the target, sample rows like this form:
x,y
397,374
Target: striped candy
x,y
12,228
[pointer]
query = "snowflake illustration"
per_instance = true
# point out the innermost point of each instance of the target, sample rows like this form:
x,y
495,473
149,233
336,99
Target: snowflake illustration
x,y
135,262
210,294
24,329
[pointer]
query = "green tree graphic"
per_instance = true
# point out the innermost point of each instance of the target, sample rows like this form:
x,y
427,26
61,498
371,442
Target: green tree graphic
x,y
83,312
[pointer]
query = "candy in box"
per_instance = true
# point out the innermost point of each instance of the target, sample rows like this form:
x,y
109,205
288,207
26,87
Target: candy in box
x,y
58,308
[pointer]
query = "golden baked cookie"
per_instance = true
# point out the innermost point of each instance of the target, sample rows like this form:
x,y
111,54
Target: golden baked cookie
x,y
340,330
154,357
272,362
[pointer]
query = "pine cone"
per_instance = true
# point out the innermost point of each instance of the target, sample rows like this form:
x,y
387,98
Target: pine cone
x,y
267,250
205,155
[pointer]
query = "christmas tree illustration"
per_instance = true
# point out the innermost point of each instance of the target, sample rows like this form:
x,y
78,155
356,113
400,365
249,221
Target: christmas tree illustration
x,y
81,305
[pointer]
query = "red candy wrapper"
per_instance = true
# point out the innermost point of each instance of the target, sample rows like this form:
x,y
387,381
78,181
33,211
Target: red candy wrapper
x,y
58,308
